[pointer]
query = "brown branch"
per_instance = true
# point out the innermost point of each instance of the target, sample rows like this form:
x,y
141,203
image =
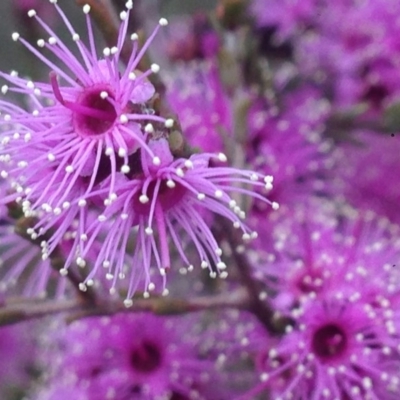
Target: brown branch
x,y
14,311
258,305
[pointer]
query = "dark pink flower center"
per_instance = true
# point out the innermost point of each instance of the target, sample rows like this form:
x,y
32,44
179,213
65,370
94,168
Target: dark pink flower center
x,y
93,115
166,196
146,357
329,341
92,112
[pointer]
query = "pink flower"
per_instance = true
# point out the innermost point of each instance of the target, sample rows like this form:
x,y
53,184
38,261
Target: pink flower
x,y
161,203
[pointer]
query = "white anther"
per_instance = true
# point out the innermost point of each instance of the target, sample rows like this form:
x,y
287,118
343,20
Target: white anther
x,y
155,68
221,265
4,89
128,303
102,218
63,272
75,37
189,164
132,76
275,205
222,157
66,205
124,216
121,152
114,50
109,276
134,36
52,40
82,203
170,183
125,169
106,52
151,287
82,287
109,151
31,13
69,169
169,123
204,264
51,157
218,194
86,8
103,94
163,22
143,199
156,160
201,196
80,262
149,231
179,172
149,128
15,36
123,15
254,177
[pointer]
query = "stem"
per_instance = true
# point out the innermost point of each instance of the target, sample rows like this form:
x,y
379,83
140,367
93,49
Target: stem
x,y
273,321
18,310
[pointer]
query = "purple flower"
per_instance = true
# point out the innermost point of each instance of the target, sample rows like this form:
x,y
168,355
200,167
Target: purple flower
x,y
289,143
205,112
132,356
287,16
343,339
352,49
16,357
161,203
369,182
84,127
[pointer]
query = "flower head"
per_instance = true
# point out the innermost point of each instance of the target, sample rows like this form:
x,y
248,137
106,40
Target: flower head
x,y
132,356
197,95
85,123
369,182
343,340
163,201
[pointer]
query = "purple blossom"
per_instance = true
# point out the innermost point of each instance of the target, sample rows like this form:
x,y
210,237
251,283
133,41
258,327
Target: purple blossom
x,y
16,357
352,48
83,128
287,16
343,341
132,356
161,203
204,109
369,182
289,142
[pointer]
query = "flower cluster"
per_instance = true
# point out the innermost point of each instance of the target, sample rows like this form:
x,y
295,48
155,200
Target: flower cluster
x,y
265,152
132,357
337,282
91,148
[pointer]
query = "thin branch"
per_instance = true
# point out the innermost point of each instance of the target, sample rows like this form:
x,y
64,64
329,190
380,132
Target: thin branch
x,y
259,306
15,311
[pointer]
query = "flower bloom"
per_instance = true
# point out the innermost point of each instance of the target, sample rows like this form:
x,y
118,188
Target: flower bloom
x,y
131,356
343,339
85,124
369,182
161,202
205,112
